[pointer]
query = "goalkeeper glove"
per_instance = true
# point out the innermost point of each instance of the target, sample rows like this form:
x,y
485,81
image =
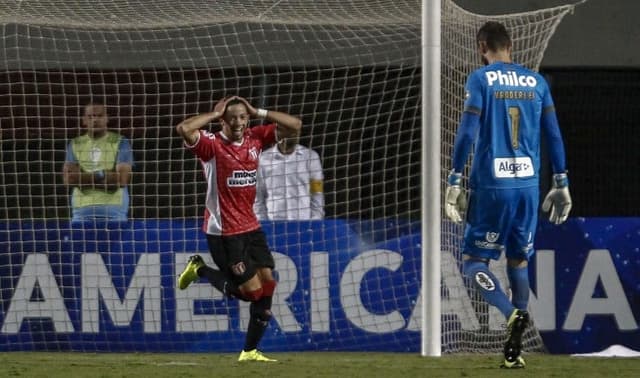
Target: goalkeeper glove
x,y
455,201
558,200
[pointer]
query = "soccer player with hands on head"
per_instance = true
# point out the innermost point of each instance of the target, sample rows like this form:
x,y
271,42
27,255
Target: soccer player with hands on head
x,y
236,241
507,109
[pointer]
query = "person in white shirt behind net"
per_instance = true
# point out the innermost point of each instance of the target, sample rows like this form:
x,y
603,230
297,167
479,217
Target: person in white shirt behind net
x,y
289,182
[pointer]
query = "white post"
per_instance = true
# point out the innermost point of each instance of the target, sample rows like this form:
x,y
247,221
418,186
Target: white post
x,y
431,166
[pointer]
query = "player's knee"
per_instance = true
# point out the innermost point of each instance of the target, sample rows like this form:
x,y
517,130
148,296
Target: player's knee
x,y
471,266
478,272
517,263
253,295
268,287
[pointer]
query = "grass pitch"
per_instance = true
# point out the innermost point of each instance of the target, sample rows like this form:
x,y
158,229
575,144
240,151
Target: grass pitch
x,y
305,364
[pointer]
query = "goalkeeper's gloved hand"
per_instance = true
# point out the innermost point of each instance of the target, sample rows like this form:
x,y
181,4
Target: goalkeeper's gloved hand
x,y
454,200
558,200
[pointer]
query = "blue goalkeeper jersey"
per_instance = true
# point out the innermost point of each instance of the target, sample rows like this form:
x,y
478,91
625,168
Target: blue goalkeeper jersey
x,y
510,101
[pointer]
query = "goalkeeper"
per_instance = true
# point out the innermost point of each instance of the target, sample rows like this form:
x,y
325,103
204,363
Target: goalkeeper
x,y
507,107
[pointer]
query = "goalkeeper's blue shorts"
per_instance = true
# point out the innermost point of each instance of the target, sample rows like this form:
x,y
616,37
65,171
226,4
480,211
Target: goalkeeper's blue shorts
x,y
501,220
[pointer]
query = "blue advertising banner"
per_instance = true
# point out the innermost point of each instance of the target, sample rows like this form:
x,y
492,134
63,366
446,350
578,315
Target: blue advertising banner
x,y
342,286
596,262
112,287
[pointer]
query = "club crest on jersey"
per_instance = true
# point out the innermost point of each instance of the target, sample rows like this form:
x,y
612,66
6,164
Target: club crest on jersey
x,y
484,281
510,78
95,155
253,152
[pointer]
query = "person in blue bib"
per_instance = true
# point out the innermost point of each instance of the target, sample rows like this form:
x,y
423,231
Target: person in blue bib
x,y
507,109
98,167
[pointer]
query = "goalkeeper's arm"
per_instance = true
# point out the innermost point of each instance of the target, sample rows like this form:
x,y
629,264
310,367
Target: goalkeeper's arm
x,y
558,200
551,131
455,201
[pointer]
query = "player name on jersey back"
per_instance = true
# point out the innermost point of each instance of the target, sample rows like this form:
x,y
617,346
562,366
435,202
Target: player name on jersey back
x,y
513,167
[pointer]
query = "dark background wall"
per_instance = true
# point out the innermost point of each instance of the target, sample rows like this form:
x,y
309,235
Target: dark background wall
x,y
363,121
599,113
600,33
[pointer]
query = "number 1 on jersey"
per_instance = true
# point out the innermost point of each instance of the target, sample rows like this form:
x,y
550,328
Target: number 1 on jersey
x,y
514,114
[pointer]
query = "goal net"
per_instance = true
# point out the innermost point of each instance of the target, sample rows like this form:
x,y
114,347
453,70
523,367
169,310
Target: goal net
x,y
349,69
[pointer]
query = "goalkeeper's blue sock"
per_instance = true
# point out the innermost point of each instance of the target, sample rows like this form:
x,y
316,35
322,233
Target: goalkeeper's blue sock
x,y
488,285
519,280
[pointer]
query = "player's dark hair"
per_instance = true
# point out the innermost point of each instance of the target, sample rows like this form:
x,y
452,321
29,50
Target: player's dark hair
x,y
495,35
235,101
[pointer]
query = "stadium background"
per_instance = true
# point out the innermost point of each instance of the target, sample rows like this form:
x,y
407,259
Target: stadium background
x,y
594,77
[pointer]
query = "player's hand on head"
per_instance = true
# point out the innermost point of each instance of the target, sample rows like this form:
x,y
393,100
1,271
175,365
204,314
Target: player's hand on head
x,y
252,111
558,200
221,106
455,200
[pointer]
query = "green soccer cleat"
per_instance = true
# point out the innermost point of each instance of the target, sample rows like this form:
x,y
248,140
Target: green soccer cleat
x,y
517,323
190,272
254,355
517,364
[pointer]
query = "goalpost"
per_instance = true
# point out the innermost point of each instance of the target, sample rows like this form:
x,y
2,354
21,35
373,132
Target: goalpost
x,y
352,70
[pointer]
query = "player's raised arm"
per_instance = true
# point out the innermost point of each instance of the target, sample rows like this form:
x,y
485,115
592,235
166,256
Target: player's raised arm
x,y
188,128
288,125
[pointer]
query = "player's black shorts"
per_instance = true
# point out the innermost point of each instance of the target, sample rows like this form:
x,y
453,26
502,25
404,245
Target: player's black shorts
x,y
240,255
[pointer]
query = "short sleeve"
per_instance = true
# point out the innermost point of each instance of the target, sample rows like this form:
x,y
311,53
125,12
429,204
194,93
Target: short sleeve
x,y
265,133
70,157
204,148
125,153
315,166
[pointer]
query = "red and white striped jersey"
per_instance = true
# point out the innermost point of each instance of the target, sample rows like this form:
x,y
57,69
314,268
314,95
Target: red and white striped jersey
x,y
230,169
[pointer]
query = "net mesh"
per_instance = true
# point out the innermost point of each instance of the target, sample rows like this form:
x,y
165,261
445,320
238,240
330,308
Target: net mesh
x,y
350,69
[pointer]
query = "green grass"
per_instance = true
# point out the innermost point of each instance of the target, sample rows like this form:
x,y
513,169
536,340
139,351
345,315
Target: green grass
x,y
306,364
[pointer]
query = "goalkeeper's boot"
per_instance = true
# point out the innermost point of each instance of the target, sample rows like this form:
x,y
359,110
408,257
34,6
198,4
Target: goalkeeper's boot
x,y
254,355
190,272
517,364
517,323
